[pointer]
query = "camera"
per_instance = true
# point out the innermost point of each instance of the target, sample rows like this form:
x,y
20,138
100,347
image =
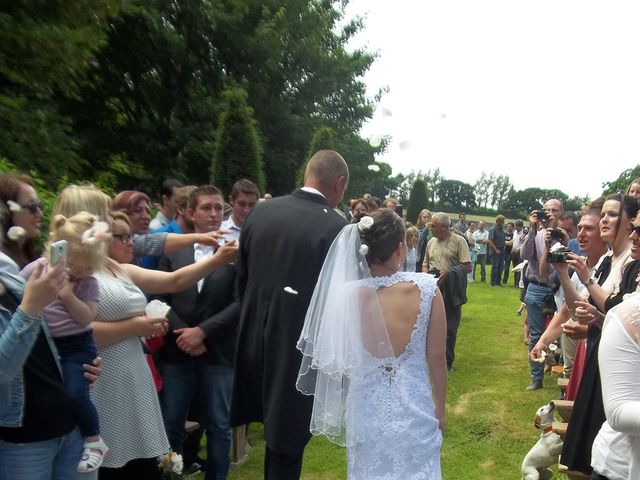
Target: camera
x,y
558,256
542,215
435,272
556,234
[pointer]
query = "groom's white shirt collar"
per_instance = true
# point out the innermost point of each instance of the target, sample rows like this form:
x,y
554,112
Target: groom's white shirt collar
x,y
313,190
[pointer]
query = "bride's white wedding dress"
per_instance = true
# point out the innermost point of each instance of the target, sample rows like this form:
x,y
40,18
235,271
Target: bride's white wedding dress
x,y
391,406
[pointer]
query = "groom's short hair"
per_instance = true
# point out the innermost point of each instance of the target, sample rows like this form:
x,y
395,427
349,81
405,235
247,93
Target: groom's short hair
x,y
325,166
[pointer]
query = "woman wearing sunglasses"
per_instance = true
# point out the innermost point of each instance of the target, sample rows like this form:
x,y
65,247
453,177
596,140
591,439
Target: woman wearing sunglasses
x,y
22,225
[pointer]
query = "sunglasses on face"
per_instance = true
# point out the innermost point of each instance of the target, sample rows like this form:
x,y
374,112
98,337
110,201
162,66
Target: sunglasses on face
x,y
123,237
633,228
33,207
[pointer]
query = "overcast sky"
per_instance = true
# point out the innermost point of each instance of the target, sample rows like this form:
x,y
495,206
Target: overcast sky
x,y
546,92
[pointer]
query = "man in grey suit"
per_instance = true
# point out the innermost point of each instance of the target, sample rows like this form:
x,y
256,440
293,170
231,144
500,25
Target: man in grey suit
x,y
283,246
200,345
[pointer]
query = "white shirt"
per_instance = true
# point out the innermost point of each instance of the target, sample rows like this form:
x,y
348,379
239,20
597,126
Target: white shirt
x,y
159,221
619,361
200,252
411,260
234,229
516,240
610,453
313,190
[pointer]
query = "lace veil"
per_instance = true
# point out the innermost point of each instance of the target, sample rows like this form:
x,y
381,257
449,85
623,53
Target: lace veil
x,y
344,337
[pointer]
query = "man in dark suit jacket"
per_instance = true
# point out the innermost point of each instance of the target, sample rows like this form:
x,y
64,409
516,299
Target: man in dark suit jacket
x,y
200,345
283,246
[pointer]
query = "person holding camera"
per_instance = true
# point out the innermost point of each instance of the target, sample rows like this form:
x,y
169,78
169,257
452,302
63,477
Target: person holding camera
x,y
534,250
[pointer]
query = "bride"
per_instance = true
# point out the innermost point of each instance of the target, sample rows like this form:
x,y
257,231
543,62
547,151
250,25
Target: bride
x,y
373,347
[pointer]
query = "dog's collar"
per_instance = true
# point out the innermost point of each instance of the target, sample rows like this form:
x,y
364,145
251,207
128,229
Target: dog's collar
x,y
548,429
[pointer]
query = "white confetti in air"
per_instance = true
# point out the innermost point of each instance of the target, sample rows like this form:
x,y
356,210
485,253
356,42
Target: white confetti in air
x,y
374,168
290,290
387,113
375,141
405,145
325,210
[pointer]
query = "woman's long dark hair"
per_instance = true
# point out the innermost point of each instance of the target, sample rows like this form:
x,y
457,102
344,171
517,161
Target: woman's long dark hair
x,y
9,190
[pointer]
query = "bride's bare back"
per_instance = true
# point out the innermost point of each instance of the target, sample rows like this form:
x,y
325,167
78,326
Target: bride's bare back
x,y
400,304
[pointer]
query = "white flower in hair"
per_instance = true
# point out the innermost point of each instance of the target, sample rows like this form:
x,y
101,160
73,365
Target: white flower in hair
x,y
13,206
364,249
98,232
15,233
365,223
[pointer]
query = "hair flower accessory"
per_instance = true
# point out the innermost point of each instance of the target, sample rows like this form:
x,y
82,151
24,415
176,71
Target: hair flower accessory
x,y
15,233
365,223
98,232
364,249
13,206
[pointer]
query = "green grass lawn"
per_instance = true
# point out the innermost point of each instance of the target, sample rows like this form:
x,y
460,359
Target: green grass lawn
x,y
489,414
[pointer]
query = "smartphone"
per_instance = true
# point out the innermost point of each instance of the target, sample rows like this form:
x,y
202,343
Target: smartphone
x,y
58,252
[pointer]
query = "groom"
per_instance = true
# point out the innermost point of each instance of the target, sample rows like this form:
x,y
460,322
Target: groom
x,y
284,243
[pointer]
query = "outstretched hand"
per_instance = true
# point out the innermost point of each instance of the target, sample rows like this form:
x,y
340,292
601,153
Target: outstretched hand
x,y
211,238
228,252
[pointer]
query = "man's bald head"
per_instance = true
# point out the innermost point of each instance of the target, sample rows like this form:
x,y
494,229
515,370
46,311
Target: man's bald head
x,y
327,172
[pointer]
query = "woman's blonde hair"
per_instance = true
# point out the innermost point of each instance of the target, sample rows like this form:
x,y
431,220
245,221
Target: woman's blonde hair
x,y
412,231
80,253
82,198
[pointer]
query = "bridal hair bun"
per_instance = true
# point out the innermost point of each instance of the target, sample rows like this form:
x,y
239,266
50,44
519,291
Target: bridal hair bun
x,y
380,234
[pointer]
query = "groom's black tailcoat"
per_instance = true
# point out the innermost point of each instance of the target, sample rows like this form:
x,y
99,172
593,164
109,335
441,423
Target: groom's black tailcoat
x,y
283,244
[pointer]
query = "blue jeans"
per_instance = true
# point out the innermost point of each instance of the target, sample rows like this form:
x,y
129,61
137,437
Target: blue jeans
x,y
497,263
74,351
534,300
180,382
482,260
55,459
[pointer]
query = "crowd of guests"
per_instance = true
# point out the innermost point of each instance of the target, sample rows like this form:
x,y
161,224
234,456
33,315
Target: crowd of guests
x,y
590,282
582,296
86,320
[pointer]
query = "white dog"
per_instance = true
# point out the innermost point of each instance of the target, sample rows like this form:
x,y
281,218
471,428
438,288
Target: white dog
x,y
546,450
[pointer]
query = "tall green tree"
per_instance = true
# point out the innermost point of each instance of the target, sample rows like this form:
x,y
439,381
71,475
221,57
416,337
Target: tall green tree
x,y
45,47
418,199
323,138
622,183
483,188
238,152
433,179
500,190
456,194
152,100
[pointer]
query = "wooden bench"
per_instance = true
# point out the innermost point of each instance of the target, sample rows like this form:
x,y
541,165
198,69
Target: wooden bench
x,y
573,475
560,428
239,446
563,383
557,370
564,408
